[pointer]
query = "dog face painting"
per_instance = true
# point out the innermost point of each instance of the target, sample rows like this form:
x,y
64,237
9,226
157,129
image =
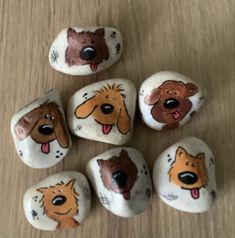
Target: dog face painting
x,y
121,180
189,172
60,201
184,176
171,102
86,48
118,173
40,132
103,111
107,108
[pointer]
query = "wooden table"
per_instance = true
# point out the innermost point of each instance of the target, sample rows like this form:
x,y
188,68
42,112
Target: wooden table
x,y
193,37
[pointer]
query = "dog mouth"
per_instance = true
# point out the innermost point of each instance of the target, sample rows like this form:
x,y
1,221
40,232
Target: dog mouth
x,y
106,129
45,148
127,195
93,67
195,194
176,115
63,213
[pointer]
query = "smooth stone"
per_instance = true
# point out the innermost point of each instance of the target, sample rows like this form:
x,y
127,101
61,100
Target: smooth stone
x,y
184,176
60,201
104,111
168,100
85,50
40,132
121,180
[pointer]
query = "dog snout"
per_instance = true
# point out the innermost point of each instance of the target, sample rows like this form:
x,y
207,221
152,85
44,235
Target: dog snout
x,y
107,108
88,53
188,177
120,178
171,103
45,129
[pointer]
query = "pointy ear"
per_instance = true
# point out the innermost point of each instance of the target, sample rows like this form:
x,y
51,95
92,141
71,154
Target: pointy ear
x,y
72,36
100,162
100,32
181,152
200,156
123,122
86,108
42,190
153,97
26,124
70,183
190,89
124,154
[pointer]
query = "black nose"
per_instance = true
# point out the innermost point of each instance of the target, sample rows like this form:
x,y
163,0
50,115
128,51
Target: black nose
x,y
188,177
87,53
45,129
107,108
59,200
171,103
120,178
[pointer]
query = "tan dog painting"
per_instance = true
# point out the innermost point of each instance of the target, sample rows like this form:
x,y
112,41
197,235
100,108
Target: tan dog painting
x,y
189,172
60,203
44,124
119,173
170,102
108,108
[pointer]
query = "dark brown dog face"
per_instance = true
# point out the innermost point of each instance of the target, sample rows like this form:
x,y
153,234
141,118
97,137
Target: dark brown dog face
x,y
44,124
118,173
86,48
170,101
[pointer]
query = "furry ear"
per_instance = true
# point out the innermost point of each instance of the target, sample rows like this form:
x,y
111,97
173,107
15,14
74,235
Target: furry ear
x,y
191,89
26,124
100,32
70,183
61,131
72,36
153,97
124,154
42,190
86,108
123,123
181,152
200,156
100,162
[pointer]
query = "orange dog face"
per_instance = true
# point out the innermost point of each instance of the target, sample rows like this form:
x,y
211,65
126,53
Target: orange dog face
x,y
44,124
189,172
60,203
107,108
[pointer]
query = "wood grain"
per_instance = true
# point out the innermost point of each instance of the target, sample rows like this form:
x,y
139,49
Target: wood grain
x,y
192,37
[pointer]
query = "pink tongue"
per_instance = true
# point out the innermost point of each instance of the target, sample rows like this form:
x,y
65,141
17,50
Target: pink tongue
x,y
106,129
45,148
126,195
195,193
93,67
176,115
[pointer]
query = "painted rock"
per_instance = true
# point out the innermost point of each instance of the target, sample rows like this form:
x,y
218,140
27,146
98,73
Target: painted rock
x,y
104,111
84,51
121,180
60,201
40,133
184,176
168,100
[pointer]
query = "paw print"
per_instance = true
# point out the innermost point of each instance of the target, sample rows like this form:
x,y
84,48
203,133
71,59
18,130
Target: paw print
x,y
141,93
85,95
169,159
148,193
104,200
144,170
58,154
169,196
118,48
211,162
20,153
87,193
54,56
34,215
35,198
77,128
113,35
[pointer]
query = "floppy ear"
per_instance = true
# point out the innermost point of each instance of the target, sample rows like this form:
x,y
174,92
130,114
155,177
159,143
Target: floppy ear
x,y
72,36
153,97
124,154
86,108
61,131
70,183
100,162
191,89
123,123
25,125
181,152
100,32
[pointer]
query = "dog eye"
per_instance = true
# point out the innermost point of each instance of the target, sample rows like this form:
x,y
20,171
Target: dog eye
x,y
107,96
46,116
168,91
187,163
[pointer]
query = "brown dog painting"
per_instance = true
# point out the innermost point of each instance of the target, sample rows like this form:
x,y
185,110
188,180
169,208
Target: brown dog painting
x,y
118,173
44,124
60,203
86,48
108,108
189,172
171,102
